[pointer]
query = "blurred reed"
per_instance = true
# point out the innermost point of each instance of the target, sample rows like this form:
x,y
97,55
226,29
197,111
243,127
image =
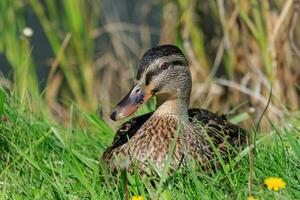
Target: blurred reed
x,y
17,50
238,50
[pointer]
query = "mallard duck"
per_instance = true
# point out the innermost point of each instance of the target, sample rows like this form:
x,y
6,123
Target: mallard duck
x,y
145,141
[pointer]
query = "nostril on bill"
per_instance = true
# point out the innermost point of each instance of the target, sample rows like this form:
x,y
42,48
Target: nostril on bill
x,y
113,115
137,90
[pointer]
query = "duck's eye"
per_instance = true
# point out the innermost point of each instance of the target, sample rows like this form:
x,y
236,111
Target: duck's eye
x,y
164,65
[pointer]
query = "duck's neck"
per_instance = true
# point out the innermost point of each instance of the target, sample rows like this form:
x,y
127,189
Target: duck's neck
x,y
172,106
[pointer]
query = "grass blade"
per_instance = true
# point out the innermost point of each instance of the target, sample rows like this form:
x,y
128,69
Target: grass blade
x,y
293,142
2,99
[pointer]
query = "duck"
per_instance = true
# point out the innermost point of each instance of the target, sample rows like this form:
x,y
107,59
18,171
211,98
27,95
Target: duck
x,y
173,133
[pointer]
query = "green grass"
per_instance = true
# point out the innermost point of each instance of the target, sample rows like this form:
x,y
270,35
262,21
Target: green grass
x,y
39,160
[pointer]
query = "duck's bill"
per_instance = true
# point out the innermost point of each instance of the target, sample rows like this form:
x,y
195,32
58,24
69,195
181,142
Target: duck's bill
x,y
130,103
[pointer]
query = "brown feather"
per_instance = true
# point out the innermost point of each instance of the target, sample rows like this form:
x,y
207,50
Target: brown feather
x,y
147,138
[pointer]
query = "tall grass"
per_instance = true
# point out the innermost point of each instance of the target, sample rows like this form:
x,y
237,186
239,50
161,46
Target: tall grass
x,y
17,49
45,161
63,24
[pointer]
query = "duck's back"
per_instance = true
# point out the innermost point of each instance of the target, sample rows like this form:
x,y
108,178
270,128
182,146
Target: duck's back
x,y
220,135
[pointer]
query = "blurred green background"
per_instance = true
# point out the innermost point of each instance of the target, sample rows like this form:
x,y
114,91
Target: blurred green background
x,y
85,52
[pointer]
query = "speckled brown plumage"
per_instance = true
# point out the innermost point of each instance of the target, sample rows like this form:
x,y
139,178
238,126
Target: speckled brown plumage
x,y
173,132
147,138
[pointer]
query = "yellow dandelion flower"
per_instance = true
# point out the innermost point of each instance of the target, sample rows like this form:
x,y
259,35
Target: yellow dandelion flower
x,y
274,183
252,198
137,198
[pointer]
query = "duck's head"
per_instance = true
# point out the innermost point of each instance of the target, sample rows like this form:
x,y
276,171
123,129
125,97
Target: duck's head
x,y
162,72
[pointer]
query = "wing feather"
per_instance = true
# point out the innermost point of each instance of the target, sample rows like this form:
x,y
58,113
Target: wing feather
x,y
125,132
219,129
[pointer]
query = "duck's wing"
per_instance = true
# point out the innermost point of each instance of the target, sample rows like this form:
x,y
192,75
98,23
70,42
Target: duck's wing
x,y
128,129
218,128
125,132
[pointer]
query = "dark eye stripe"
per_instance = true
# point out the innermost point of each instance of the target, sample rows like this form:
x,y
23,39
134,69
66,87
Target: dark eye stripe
x,y
150,75
177,62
